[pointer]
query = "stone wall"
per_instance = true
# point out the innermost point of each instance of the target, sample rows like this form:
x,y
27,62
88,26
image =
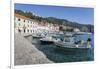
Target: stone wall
x,y
25,53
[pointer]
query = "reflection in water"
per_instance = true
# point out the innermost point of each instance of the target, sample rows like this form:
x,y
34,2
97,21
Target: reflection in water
x,y
59,55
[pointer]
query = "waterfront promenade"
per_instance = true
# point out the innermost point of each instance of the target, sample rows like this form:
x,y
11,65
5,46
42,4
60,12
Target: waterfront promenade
x,y
25,53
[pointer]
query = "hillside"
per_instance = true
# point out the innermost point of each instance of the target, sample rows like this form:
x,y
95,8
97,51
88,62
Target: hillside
x,y
57,21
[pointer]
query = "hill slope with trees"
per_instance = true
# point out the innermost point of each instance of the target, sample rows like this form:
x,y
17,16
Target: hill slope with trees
x,y
53,20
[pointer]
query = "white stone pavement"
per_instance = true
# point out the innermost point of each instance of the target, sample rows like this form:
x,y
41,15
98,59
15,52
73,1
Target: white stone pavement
x,y
26,53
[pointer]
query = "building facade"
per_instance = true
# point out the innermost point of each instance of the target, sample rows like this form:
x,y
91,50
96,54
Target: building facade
x,y
26,25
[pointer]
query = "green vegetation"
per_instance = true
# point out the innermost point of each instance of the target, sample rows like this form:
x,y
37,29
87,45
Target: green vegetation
x,y
60,22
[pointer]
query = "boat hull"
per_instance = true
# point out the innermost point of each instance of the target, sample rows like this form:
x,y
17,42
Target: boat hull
x,y
71,50
46,42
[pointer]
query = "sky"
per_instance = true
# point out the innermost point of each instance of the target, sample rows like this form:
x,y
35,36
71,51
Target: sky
x,y
75,14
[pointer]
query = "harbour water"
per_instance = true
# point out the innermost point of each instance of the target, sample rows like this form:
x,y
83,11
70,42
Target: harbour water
x,y
59,56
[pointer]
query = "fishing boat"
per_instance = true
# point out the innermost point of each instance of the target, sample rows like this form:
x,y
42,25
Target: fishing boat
x,y
72,42
38,35
47,40
50,38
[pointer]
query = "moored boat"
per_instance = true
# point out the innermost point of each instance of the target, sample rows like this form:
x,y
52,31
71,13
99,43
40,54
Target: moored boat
x,y
38,35
47,40
71,43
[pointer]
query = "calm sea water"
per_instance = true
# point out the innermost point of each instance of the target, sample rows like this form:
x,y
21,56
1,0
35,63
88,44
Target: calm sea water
x,y
59,56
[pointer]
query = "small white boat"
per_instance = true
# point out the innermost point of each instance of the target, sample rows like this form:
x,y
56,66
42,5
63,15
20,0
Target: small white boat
x,y
47,40
69,45
38,35
72,42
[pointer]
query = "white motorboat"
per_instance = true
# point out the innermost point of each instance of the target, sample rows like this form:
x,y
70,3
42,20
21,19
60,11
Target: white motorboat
x,y
72,42
47,40
38,35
